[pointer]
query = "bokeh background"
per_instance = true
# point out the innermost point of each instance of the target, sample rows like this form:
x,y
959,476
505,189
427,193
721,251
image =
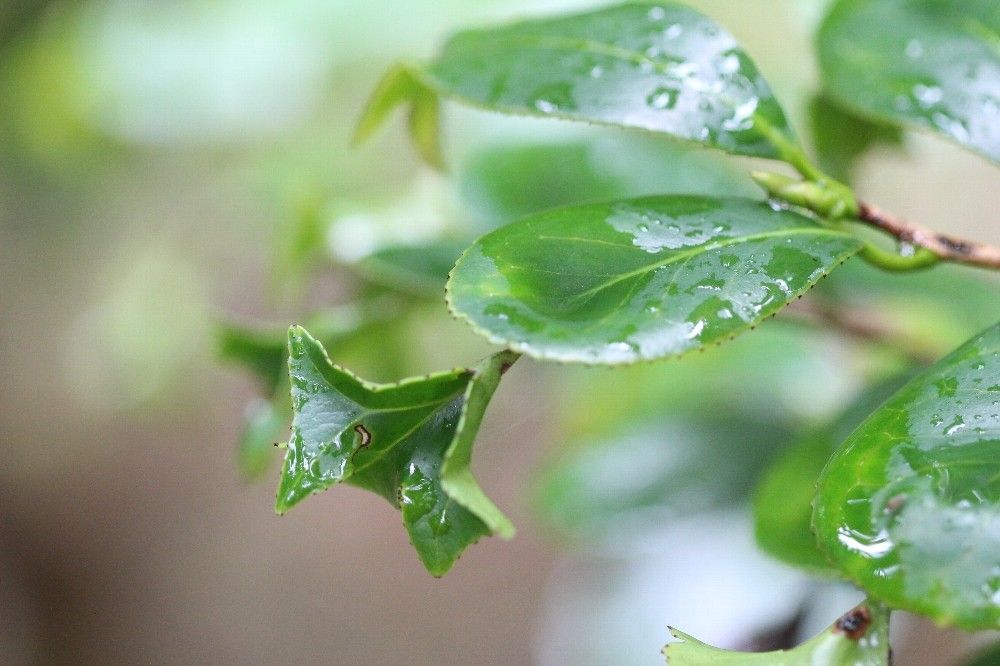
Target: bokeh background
x,y
169,165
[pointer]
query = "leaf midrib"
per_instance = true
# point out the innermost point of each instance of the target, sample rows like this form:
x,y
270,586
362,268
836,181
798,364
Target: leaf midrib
x,y
708,247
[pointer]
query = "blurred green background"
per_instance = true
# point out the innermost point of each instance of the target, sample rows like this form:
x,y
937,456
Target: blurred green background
x,y
169,165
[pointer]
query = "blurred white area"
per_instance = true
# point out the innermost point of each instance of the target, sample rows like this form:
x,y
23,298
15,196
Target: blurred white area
x,y
704,575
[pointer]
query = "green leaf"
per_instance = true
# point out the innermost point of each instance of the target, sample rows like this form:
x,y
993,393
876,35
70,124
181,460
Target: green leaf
x,y
783,500
265,425
654,66
841,137
908,506
503,183
859,638
987,657
650,473
928,63
410,442
420,270
405,84
633,280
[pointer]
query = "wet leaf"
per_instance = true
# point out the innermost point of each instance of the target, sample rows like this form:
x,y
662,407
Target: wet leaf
x,y
908,506
937,67
409,442
640,279
659,67
859,637
783,500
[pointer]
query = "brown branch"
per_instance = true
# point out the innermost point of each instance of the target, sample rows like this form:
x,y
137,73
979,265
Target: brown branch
x,y
945,247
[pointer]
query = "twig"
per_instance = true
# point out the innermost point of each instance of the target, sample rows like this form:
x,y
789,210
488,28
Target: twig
x,y
945,247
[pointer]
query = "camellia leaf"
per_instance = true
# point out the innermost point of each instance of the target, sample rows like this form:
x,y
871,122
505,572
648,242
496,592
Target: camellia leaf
x,y
640,279
987,657
409,442
420,270
938,66
655,66
783,500
909,506
859,638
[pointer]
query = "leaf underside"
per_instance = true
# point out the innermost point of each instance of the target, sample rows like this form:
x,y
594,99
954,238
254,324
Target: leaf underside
x,y
641,279
410,442
654,66
937,67
909,506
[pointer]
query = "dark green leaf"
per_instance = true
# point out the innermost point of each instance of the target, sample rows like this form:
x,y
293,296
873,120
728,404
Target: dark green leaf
x,y
841,138
859,638
641,279
908,506
988,657
410,442
930,63
783,500
654,66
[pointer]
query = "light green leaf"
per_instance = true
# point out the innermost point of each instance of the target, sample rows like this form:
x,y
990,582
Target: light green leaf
x,y
265,425
928,63
858,638
640,279
908,506
655,66
409,442
783,500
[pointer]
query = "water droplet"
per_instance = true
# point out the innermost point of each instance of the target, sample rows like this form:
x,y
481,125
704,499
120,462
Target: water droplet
x,y
955,426
596,72
662,98
914,49
656,13
545,106
725,313
927,95
674,31
643,227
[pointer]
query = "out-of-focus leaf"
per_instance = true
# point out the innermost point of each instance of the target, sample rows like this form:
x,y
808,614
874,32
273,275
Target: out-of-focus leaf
x,y
841,138
987,657
783,500
265,425
909,506
409,442
628,482
659,67
859,638
503,183
641,279
419,270
929,63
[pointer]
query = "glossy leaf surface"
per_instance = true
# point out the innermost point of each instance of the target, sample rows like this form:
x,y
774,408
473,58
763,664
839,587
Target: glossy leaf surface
x,y
783,500
938,66
409,442
655,66
858,638
908,506
640,279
